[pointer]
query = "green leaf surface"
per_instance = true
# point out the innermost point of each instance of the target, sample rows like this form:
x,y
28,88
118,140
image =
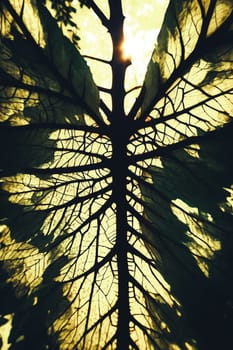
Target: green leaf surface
x,y
116,232
54,81
189,213
194,47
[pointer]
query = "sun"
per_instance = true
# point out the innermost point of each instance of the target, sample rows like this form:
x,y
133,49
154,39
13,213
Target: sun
x,y
141,28
128,49
142,24
138,47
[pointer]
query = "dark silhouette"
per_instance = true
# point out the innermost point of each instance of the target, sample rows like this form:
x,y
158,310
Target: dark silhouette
x,y
116,228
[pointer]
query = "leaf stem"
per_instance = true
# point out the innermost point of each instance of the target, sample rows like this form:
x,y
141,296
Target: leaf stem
x,y
118,64
119,197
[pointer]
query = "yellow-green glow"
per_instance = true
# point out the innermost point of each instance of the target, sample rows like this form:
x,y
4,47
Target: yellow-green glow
x,y
202,244
86,247
141,27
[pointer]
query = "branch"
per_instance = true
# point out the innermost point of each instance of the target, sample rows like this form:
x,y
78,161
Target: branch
x,y
162,119
137,104
164,151
76,200
105,109
99,13
96,59
88,220
53,126
95,268
133,89
103,89
58,170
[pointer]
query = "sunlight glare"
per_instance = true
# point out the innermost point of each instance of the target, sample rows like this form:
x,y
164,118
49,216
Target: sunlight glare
x,y
141,28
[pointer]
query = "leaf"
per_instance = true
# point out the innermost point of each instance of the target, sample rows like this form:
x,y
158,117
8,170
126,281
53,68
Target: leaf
x,y
194,41
41,91
68,62
193,252
188,209
116,233
43,63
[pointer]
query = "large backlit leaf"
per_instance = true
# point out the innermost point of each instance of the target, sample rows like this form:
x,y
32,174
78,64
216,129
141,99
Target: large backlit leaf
x,y
117,234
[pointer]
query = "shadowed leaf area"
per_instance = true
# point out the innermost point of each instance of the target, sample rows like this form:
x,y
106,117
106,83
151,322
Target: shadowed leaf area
x,y
115,227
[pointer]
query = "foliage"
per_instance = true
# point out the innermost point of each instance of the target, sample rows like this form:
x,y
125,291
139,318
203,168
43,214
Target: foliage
x,y
116,228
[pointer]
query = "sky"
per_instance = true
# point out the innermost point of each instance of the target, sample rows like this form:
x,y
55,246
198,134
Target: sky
x,y
141,28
